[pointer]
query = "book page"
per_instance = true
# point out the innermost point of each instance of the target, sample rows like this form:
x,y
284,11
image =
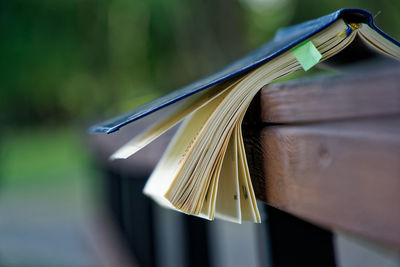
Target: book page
x,y
208,208
153,132
228,195
179,149
210,196
248,204
375,40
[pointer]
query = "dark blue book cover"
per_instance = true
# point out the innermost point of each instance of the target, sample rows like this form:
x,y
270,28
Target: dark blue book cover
x,y
284,40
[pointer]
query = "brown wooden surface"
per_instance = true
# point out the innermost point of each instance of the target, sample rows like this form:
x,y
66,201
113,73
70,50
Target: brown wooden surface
x,y
358,94
337,163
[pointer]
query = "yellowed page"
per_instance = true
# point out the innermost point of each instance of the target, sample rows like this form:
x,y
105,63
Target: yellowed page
x,y
210,194
248,204
155,131
378,42
178,151
215,181
208,209
228,195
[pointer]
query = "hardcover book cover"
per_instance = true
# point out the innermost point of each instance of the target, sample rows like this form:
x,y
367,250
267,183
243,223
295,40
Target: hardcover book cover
x,y
283,40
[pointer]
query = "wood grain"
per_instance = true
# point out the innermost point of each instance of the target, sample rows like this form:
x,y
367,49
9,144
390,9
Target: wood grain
x,y
342,175
327,149
355,95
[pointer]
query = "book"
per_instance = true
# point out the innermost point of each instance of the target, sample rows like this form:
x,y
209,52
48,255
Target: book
x,y
204,171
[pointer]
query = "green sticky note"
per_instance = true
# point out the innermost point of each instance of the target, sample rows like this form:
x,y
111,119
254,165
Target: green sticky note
x,y
307,55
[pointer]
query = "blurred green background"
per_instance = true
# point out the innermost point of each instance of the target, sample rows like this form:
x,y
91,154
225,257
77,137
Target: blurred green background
x,y
65,64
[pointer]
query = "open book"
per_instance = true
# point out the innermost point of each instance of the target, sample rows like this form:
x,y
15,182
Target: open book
x,y
204,170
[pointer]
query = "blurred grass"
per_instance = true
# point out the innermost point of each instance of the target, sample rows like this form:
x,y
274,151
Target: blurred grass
x,y
120,54
48,196
45,162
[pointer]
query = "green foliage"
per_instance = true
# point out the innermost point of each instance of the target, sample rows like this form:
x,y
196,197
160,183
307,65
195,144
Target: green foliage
x,y
31,158
78,59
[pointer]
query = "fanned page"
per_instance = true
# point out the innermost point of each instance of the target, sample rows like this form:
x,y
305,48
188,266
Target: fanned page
x,y
176,154
156,130
204,171
375,40
186,193
228,197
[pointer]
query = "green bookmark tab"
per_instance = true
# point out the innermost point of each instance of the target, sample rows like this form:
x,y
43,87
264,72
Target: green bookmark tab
x,y
307,55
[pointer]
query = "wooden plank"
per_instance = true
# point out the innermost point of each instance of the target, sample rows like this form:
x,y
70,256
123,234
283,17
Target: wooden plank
x,y
343,175
354,95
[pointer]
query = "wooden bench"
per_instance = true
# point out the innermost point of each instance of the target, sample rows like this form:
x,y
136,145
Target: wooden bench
x,y
324,155
328,151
